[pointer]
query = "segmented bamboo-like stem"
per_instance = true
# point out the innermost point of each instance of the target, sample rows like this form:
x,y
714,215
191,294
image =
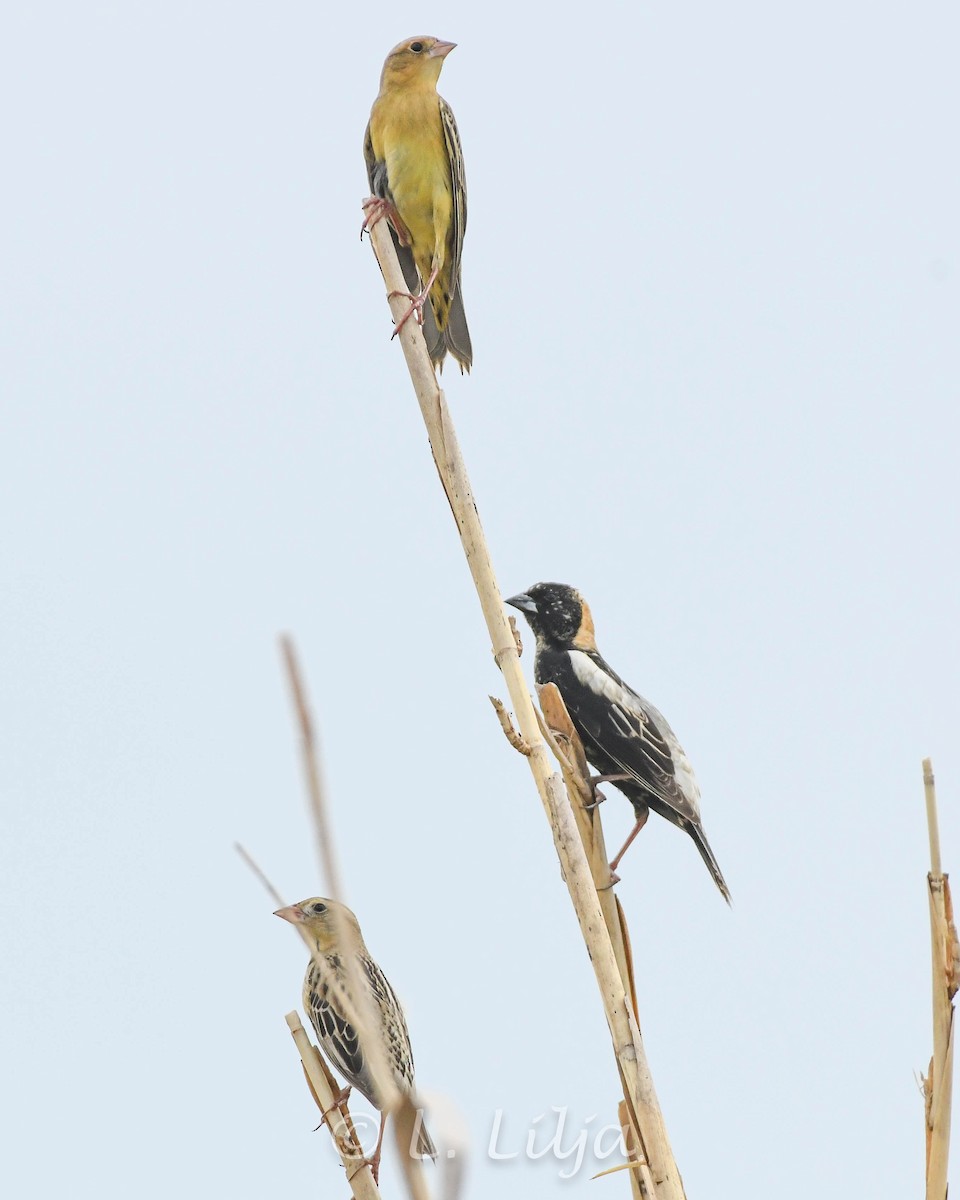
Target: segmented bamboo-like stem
x,y
945,964
325,1092
640,1097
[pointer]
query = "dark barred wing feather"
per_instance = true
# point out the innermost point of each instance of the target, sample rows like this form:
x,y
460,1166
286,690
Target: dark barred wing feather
x,y
337,1035
619,725
456,334
458,178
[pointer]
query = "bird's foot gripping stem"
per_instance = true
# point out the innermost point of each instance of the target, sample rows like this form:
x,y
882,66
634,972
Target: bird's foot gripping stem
x,y
416,306
595,781
375,208
373,1162
416,303
340,1098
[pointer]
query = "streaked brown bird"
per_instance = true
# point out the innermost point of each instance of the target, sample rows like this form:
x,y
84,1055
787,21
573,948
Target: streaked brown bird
x,y
335,933
624,737
415,168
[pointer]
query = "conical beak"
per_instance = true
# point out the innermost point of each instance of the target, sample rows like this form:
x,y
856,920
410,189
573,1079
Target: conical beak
x,y
522,601
292,913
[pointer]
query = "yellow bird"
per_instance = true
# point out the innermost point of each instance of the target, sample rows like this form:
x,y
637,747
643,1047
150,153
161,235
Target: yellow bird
x,y
415,169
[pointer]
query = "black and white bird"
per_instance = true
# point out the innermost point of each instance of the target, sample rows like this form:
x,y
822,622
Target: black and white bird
x,y
625,738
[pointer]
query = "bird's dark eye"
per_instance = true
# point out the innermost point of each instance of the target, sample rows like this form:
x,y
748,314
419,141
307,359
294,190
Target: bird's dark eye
x,y
319,908
416,47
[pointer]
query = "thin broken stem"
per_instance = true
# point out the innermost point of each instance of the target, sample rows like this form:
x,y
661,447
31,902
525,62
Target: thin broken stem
x,y
316,792
260,874
514,738
354,1001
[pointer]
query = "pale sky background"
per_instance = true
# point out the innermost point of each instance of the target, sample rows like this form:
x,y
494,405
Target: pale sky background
x,y
711,274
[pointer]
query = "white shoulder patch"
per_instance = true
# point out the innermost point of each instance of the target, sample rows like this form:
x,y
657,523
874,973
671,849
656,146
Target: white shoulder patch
x,y
599,682
627,704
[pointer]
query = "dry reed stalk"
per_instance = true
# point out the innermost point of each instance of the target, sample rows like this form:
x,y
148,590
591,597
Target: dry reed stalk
x,y
310,753
325,1092
362,1014
644,1111
576,776
320,1080
632,1149
568,749
945,961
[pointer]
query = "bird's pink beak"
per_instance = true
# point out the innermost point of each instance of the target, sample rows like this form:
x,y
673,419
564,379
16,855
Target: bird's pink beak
x,y
442,49
292,913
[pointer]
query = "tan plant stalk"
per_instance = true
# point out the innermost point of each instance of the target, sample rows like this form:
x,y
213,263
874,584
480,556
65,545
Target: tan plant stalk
x,y
633,1150
945,961
325,1092
662,1182
320,1080
570,754
316,792
362,1014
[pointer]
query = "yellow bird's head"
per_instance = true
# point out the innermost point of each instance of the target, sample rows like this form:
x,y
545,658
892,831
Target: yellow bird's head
x,y
327,922
415,60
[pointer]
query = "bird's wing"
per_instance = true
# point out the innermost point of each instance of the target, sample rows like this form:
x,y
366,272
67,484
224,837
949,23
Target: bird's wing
x,y
376,171
458,180
630,731
380,186
394,1025
337,1035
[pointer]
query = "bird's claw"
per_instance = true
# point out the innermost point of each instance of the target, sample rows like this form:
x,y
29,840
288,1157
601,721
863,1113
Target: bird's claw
x,y
373,1164
598,799
375,208
340,1098
416,306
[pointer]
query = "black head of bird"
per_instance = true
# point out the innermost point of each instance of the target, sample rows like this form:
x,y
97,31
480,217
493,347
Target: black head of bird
x,y
558,615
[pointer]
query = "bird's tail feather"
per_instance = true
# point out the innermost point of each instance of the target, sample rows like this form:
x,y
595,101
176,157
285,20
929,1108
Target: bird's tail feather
x,y
436,345
424,1140
407,264
456,336
712,865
